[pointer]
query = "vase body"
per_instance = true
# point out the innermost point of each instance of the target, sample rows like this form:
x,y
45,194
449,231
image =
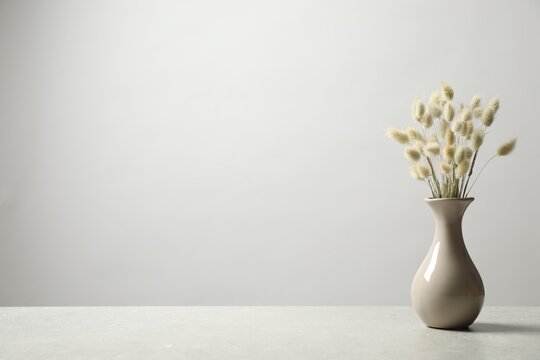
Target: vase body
x,y
447,291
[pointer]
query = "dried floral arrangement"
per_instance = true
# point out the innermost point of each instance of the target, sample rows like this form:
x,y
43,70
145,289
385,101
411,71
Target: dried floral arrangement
x,y
444,152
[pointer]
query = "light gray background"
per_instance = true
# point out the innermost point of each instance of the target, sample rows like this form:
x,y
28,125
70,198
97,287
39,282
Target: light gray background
x,y
233,152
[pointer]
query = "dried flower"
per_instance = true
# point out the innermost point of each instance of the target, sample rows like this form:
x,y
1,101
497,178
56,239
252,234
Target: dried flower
x,y
475,102
460,154
494,104
463,130
466,115
444,127
445,167
414,135
469,128
427,122
507,147
423,171
457,126
449,112
418,110
412,153
488,115
477,139
449,137
448,142
418,171
477,112
462,168
397,135
435,110
419,145
433,149
447,92
448,152
468,153
435,98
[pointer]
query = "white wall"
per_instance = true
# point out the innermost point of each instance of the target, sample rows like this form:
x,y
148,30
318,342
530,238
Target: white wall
x,y
233,152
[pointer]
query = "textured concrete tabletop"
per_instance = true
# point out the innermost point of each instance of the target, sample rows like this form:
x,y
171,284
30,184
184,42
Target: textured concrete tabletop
x,y
261,333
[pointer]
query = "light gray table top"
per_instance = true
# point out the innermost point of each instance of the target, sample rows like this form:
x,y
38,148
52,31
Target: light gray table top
x,y
261,333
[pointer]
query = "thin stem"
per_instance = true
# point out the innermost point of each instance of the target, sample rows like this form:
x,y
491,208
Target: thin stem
x,y
470,172
453,180
438,186
480,173
430,188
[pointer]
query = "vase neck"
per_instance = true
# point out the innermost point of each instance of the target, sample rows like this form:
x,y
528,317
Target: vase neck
x,y
449,211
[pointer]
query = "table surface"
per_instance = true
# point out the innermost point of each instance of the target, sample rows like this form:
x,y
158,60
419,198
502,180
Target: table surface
x,y
261,333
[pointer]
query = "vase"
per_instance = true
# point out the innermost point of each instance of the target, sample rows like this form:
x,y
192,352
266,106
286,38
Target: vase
x,y
447,291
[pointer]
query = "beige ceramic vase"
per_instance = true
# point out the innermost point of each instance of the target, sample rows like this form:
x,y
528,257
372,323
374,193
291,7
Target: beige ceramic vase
x,y
447,290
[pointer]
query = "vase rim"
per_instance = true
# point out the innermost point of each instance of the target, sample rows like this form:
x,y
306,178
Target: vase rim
x,y
449,199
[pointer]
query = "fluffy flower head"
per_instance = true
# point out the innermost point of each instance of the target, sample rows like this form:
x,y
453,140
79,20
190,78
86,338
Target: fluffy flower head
x,y
507,147
462,168
447,92
398,135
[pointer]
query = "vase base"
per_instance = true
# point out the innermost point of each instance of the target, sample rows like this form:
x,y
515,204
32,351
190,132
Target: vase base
x,y
459,328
